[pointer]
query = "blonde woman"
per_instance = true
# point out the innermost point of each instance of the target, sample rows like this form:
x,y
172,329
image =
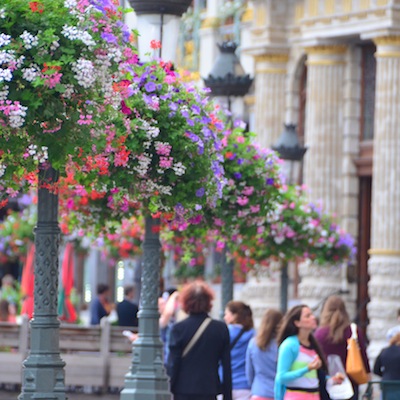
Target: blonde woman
x,y
334,330
261,357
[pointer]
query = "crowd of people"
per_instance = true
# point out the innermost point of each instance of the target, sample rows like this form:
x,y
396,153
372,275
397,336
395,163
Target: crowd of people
x,y
285,359
207,359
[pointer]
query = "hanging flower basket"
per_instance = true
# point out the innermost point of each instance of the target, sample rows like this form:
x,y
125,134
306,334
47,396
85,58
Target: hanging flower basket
x,y
59,63
167,161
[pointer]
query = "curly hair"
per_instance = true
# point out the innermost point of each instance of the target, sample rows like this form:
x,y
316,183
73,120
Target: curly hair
x,y
335,316
196,298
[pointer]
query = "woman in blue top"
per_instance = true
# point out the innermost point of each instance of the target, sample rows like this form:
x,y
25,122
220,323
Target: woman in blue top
x,y
301,365
239,318
261,357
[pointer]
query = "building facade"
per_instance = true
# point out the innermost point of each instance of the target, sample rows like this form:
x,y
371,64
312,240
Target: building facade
x,y
332,67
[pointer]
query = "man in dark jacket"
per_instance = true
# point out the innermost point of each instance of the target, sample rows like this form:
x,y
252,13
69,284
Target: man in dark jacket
x,y
127,310
195,375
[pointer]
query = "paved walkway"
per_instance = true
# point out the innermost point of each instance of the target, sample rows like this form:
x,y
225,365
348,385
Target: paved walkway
x,y
10,395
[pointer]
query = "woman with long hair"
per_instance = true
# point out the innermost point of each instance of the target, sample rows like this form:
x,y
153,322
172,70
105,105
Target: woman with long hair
x,y
301,364
334,330
261,357
239,318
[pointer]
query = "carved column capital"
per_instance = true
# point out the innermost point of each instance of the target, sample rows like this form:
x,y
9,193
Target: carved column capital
x,y
324,55
387,46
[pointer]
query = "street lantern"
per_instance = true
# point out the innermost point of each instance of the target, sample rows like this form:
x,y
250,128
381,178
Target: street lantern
x,y
227,78
159,20
290,151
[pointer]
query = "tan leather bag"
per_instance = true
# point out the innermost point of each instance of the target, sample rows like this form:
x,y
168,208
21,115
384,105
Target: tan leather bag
x,y
355,367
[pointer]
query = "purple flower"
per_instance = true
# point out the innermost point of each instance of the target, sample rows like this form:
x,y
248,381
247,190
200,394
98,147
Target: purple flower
x,y
200,192
193,137
109,37
195,109
237,175
173,106
150,87
269,181
240,161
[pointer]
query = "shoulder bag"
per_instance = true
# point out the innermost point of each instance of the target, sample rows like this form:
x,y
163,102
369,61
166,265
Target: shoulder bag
x,y
355,367
196,336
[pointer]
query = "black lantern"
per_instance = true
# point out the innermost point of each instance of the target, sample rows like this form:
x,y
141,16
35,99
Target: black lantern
x,y
160,21
289,149
227,77
171,7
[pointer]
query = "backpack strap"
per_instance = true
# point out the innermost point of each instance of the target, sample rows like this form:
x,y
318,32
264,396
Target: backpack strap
x,y
234,341
196,336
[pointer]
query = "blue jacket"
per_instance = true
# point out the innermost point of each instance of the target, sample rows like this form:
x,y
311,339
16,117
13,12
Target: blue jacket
x,y
287,354
238,356
261,368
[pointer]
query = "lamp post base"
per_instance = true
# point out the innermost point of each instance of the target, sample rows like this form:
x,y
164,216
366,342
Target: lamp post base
x,y
146,379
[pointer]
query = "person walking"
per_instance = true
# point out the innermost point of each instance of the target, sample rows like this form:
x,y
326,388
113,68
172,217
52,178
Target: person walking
x,y
387,364
301,365
239,318
334,330
193,362
127,310
261,357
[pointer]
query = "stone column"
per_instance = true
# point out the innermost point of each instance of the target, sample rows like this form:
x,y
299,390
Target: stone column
x,y
323,161
384,264
324,125
270,88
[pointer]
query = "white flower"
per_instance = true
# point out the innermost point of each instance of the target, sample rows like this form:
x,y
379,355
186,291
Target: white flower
x,y
17,115
4,39
54,46
69,91
29,40
2,169
70,3
4,93
2,13
84,72
179,169
5,75
73,33
31,73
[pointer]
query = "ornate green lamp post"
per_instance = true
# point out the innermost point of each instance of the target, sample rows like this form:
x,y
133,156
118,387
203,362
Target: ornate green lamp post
x,y
292,153
43,373
53,98
228,79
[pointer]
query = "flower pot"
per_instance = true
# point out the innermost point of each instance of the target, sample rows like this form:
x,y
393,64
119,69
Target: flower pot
x,y
173,7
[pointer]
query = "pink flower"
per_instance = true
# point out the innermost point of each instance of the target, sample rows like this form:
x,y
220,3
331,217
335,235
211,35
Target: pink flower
x,y
166,162
255,209
240,139
248,190
242,201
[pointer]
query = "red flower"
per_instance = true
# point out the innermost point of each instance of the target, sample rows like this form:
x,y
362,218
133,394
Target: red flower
x,y
3,203
155,44
35,6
